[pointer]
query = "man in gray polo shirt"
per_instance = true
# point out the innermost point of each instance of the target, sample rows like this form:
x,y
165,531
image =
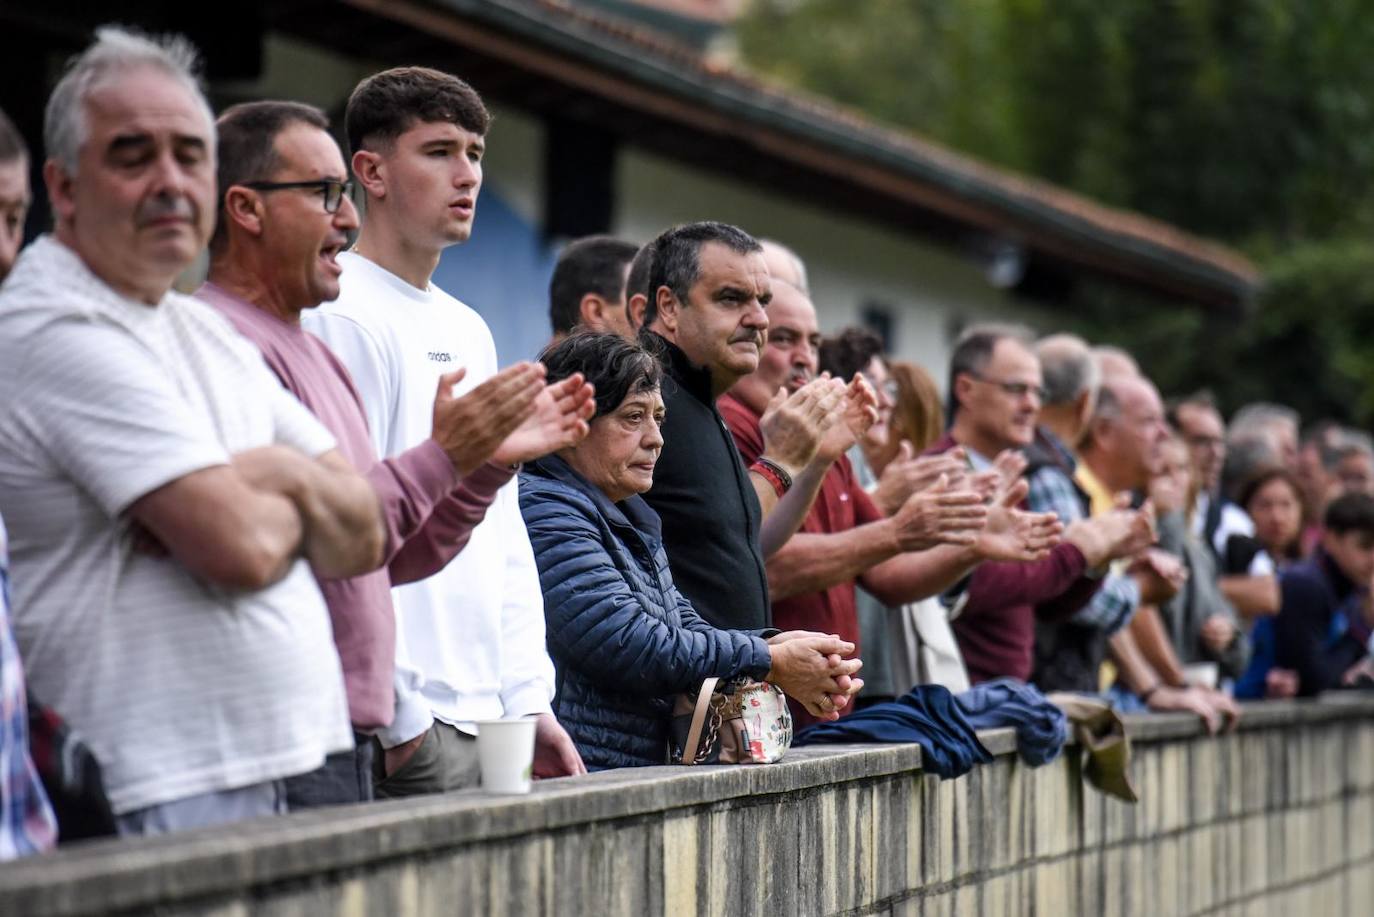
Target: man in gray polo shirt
x,y
166,498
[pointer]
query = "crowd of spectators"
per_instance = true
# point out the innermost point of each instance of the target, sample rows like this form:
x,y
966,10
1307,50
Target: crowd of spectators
x,y
282,542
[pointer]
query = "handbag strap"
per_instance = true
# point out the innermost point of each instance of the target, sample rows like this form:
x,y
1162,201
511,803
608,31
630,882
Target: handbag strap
x,y
689,750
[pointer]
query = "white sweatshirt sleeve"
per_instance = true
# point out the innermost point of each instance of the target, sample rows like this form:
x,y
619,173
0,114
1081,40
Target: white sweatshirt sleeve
x,y
527,674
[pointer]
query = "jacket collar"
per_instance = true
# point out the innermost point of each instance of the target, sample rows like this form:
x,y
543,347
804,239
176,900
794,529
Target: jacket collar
x,y
693,379
631,513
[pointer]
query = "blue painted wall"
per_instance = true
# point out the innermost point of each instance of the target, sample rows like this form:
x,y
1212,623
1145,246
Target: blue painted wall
x,y
503,272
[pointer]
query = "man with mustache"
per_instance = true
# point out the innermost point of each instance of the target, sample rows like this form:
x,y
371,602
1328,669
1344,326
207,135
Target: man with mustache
x,y
933,539
471,637
706,319
284,218
202,673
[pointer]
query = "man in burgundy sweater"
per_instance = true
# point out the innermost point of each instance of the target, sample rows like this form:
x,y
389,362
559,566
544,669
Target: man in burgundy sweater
x,y
284,216
994,400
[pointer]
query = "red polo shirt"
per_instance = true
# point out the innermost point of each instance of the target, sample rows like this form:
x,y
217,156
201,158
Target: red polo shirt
x,y
840,506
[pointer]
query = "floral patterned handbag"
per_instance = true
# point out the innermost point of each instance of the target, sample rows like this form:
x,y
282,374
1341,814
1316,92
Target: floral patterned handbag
x,y
735,721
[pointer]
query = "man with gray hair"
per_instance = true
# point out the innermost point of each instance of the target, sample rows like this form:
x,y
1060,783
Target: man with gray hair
x,y
167,499
1069,653
14,193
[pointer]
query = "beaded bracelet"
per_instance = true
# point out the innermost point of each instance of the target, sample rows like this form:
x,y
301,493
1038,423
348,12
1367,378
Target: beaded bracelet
x,y
774,474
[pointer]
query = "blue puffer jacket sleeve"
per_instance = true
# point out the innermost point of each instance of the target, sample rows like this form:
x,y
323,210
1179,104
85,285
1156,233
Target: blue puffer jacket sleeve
x,y
621,629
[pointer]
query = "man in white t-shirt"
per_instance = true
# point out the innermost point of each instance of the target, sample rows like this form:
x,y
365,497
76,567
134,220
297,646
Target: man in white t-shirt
x,y
166,498
470,639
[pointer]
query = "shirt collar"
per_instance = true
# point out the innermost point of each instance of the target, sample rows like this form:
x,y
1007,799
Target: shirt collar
x,y
693,379
631,513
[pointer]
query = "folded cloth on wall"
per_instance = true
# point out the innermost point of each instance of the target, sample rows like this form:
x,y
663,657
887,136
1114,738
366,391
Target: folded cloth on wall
x,y
945,725
927,715
1102,734
1041,727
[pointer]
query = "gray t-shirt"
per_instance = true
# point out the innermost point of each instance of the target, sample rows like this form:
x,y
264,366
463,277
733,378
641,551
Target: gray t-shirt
x,y
181,688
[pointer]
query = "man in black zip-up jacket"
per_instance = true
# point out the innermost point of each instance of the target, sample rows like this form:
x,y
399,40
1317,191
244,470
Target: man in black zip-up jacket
x,y
706,319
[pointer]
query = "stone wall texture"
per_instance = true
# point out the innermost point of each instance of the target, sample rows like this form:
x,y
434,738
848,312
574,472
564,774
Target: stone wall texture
x,y
1277,818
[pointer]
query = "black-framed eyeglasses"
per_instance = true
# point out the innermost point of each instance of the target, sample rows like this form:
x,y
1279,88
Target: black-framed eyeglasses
x,y
331,189
1014,389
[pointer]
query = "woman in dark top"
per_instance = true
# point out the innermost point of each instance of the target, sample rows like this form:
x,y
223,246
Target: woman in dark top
x,y
623,639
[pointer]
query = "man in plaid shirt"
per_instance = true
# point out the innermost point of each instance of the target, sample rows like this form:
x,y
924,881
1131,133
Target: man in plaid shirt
x,y
27,824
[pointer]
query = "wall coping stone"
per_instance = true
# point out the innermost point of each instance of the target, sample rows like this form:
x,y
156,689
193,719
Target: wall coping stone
x,y
135,873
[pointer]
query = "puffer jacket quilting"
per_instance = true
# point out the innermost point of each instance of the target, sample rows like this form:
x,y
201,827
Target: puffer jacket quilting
x,y
623,639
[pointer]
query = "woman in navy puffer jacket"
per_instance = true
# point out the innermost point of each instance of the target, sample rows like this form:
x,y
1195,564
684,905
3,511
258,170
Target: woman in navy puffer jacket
x,y
622,637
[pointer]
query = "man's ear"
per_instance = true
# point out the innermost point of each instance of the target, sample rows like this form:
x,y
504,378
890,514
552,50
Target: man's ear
x,y
61,190
243,209
634,309
668,307
592,310
963,388
370,173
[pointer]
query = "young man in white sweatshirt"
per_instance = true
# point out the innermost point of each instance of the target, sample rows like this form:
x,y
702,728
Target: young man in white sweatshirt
x,y
470,639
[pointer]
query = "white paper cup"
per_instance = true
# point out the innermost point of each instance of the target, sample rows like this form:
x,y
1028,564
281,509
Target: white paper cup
x,y
1202,674
505,751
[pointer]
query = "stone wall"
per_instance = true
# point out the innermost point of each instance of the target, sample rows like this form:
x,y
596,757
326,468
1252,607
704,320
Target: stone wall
x,y
1277,818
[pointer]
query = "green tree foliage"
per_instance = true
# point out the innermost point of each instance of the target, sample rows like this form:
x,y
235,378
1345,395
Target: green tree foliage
x,y
1251,121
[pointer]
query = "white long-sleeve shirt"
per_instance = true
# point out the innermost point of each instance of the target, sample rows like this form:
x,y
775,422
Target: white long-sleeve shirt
x,y
470,639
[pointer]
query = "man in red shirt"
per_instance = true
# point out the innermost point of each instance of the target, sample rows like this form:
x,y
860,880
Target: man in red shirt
x,y
929,544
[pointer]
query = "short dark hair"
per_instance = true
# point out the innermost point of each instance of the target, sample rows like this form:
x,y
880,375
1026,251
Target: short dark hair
x,y
1350,513
386,105
594,264
246,148
675,258
617,368
849,352
12,144
637,281
1202,399
974,349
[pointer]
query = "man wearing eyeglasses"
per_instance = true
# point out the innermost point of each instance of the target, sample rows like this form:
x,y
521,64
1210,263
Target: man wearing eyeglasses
x,y
995,392
284,217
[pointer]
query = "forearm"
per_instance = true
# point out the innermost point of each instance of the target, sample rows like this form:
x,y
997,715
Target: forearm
x,y
918,575
1132,668
1153,641
409,487
339,510
784,516
1252,596
810,563
448,529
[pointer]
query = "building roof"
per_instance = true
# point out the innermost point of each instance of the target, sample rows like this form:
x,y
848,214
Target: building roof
x,y
651,88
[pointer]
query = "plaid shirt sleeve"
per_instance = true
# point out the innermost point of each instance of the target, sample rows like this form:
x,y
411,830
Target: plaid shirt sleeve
x,y
1112,606
27,824
1051,491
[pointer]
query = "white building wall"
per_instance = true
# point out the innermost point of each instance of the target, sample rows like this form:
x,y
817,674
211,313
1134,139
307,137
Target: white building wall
x,y
850,262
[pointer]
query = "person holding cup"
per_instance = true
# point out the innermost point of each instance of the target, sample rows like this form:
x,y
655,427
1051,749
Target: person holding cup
x,y
623,639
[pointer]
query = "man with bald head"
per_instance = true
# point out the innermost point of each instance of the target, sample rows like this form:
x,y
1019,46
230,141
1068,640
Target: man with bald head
x,y
1069,653
1122,451
785,265
923,548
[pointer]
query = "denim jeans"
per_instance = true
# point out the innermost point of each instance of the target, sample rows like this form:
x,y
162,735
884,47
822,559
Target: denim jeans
x,y
344,778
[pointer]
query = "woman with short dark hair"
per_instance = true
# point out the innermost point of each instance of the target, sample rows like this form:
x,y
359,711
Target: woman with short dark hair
x,y
623,639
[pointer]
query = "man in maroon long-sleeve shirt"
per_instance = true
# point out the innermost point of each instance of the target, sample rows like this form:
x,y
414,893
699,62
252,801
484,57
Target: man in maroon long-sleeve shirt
x,y
994,394
284,216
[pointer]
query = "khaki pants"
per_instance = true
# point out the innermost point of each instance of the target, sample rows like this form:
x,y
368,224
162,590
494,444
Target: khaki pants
x,y
446,760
